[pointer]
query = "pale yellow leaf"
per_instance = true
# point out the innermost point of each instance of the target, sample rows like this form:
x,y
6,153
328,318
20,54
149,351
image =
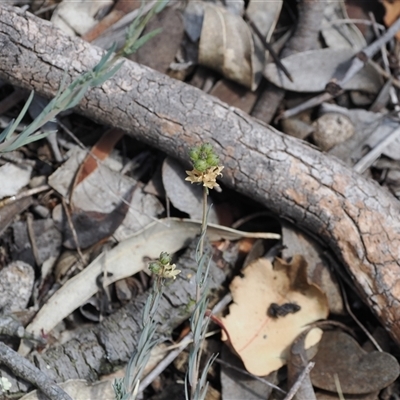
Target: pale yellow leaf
x,y
263,341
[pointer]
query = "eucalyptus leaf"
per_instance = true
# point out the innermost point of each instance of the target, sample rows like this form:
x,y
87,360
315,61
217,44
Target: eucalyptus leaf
x,y
312,70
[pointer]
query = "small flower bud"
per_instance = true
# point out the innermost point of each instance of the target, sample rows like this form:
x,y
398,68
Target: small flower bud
x,y
212,160
200,165
155,268
194,154
207,148
165,258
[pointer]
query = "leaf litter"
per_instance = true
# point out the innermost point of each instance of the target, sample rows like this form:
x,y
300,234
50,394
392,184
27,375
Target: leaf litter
x,y
100,195
272,305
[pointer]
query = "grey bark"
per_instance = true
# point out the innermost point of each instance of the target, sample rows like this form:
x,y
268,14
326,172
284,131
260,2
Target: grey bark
x,y
99,350
24,368
305,37
356,218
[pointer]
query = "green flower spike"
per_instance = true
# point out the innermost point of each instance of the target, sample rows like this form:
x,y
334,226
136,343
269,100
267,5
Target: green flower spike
x,y
205,166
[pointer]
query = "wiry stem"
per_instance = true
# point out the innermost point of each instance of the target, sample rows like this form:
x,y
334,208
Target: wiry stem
x,y
199,289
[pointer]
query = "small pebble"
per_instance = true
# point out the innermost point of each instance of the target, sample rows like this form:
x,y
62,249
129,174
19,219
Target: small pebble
x,y
332,129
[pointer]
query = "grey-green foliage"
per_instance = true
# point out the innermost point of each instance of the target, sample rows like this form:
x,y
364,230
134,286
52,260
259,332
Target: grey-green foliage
x,y
69,97
198,325
127,387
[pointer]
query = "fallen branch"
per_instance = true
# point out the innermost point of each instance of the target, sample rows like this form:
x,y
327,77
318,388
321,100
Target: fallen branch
x,y
23,368
356,218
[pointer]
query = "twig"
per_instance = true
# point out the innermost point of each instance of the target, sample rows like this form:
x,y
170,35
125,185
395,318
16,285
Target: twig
x,y
73,231
299,381
315,101
380,70
392,92
268,46
257,378
359,60
23,368
32,238
21,195
338,387
363,56
355,21
375,153
363,328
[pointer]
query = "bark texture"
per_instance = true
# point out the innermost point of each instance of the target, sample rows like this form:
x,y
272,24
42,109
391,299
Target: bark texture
x,y
101,349
358,220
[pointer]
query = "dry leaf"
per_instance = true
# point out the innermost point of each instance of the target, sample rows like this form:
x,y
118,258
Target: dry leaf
x,y
340,35
235,95
124,260
159,52
228,46
272,305
78,16
236,385
312,70
102,191
80,389
359,372
319,270
230,51
13,178
184,197
297,362
99,152
265,15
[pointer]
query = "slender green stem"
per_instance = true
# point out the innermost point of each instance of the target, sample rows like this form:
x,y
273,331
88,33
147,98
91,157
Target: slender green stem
x,y
199,289
203,222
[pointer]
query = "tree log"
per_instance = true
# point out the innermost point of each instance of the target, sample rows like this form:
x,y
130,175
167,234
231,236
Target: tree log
x,y
356,218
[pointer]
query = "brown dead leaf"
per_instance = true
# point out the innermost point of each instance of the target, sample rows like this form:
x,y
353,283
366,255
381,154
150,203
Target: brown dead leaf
x,y
235,95
272,305
358,372
227,45
100,151
298,361
230,52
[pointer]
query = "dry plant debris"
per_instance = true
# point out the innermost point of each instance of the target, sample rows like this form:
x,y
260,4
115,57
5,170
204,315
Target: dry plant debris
x,y
273,303
358,371
109,199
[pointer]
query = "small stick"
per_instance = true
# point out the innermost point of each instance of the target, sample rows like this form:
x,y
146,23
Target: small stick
x,y
375,153
257,378
315,101
21,195
380,70
74,234
359,60
32,238
268,47
23,368
363,328
299,381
